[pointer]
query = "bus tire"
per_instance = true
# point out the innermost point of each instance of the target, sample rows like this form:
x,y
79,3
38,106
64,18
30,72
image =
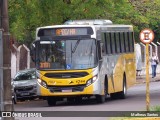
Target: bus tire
x,y
51,101
113,95
123,93
100,98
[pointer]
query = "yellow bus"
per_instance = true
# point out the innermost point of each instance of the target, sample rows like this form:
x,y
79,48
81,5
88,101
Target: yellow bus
x,y
84,58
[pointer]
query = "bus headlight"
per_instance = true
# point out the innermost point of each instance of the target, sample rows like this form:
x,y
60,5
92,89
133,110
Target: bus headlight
x,y
92,80
89,82
43,83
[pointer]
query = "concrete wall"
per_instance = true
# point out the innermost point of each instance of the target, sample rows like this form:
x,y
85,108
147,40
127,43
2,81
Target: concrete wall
x,y
13,65
20,59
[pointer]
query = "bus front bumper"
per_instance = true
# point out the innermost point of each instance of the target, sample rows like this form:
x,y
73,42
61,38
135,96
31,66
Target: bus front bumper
x,y
81,90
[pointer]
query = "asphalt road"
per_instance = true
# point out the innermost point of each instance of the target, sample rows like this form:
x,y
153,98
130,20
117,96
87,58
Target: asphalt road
x,y
135,101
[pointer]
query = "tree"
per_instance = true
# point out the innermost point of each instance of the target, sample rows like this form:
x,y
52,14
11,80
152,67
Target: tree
x,y
27,15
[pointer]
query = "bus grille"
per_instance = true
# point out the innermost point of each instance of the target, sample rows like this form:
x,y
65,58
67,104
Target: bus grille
x,y
78,88
66,75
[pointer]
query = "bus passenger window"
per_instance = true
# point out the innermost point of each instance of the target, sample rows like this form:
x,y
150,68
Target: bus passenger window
x,y
126,41
103,43
131,42
129,47
103,49
113,43
108,43
122,42
117,42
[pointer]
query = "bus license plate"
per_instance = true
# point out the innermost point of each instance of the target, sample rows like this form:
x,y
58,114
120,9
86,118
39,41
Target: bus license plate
x,y
69,90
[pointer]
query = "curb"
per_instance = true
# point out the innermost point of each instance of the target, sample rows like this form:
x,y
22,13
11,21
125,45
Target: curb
x,y
142,79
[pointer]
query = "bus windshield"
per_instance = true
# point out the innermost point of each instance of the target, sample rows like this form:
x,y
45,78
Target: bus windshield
x,y
66,54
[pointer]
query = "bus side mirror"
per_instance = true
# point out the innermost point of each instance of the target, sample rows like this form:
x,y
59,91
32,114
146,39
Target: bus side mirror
x,y
32,56
33,52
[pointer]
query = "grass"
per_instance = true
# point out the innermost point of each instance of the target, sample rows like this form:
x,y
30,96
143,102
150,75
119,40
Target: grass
x,y
155,108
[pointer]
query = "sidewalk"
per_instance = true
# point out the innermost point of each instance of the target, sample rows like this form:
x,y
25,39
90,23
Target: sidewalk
x,y
142,78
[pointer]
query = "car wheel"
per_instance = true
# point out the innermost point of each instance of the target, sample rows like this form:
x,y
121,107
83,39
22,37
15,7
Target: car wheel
x,y
15,99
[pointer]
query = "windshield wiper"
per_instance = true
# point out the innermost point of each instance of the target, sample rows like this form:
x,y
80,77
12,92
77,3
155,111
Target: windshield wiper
x,y
75,47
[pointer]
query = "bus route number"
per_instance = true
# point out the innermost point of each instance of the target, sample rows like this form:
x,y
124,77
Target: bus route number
x,y
45,65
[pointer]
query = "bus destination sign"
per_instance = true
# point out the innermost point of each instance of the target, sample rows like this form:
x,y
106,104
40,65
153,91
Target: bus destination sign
x,y
65,31
72,31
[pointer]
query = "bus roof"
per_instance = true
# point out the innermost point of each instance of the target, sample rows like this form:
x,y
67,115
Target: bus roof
x,y
103,27
94,23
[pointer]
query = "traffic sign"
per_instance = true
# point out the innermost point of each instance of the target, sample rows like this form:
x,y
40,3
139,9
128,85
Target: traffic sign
x,y
146,36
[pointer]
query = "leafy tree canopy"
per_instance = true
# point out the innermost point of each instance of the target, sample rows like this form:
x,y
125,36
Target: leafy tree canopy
x,y
26,15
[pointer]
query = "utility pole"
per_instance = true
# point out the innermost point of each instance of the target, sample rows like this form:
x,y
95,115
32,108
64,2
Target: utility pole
x,y
1,61
6,68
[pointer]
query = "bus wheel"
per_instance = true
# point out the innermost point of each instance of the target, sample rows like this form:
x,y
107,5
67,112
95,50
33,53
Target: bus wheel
x,y
114,95
123,93
51,101
100,98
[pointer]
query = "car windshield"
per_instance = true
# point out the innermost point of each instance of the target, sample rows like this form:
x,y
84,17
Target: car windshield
x,y
66,54
27,75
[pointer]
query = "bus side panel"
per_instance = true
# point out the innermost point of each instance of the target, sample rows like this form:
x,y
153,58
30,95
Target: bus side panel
x,y
117,66
106,70
130,69
110,86
118,73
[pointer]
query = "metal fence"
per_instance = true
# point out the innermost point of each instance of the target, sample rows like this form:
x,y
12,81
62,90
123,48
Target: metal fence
x,y
152,47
